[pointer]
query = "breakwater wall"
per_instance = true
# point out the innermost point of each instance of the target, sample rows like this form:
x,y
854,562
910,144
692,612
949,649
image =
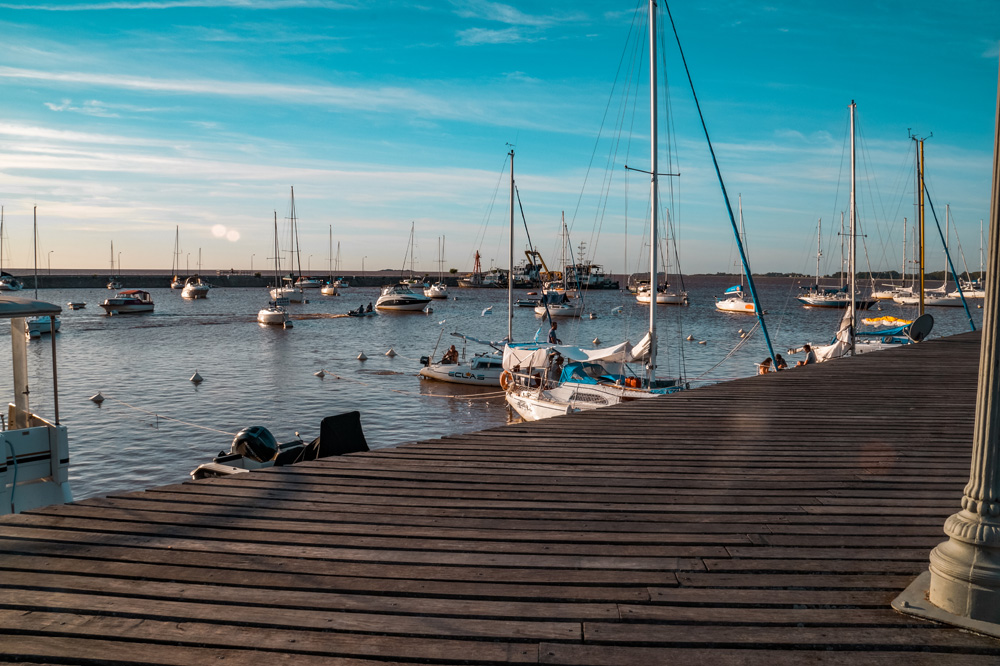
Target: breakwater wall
x,y
143,281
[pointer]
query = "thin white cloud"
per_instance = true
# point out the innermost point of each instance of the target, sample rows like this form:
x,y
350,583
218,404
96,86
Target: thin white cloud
x,y
477,36
499,12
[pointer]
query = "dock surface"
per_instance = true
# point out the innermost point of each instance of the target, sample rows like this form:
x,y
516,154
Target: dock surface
x,y
768,520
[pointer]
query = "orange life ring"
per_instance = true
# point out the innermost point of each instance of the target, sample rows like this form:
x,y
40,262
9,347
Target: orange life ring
x,y
505,379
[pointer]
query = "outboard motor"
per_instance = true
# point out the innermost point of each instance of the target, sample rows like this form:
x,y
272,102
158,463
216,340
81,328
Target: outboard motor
x,y
424,360
256,443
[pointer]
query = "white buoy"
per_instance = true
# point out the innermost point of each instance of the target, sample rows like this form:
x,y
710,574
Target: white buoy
x,y
320,374
597,341
391,353
196,378
362,357
690,337
741,331
98,398
702,342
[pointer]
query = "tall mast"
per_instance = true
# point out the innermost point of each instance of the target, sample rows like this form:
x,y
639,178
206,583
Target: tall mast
x,y
980,243
841,249
329,258
819,250
653,188
510,274
947,241
852,245
742,233
34,247
295,236
920,215
904,251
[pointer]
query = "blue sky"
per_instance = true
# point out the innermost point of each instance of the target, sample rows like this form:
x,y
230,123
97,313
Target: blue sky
x,y
122,119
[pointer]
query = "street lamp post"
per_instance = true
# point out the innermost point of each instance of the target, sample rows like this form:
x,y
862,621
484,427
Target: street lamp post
x,y
50,261
309,262
119,263
363,265
251,263
187,263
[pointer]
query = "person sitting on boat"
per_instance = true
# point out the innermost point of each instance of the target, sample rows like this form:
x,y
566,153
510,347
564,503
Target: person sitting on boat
x,y
810,356
450,357
361,309
369,306
553,339
780,363
764,367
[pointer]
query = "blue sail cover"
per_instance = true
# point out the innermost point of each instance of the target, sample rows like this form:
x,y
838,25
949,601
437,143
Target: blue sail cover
x,y
735,290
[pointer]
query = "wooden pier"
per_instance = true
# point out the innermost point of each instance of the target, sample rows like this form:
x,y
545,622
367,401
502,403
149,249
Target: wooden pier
x,y
769,520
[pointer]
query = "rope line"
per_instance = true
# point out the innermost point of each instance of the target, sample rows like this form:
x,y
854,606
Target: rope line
x,y
168,418
459,396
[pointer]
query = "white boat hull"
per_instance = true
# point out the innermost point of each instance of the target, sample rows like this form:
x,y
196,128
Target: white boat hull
x,y
192,291
37,326
272,316
293,294
462,373
663,298
127,308
402,305
436,291
570,398
328,290
736,305
563,310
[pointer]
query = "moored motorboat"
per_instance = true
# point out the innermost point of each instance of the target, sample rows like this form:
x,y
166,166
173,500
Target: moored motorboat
x,y
307,282
129,301
195,287
34,463
400,298
256,448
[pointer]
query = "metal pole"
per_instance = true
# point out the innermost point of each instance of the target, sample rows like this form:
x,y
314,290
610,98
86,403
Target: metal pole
x,y
510,274
920,215
850,246
653,186
965,570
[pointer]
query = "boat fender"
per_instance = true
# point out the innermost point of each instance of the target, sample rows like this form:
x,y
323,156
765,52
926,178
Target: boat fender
x,y
505,379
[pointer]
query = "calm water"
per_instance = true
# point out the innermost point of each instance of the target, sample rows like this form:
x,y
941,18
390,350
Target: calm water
x,y
264,375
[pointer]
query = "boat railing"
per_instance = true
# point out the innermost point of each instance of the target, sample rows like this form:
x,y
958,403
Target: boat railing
x,y
34,464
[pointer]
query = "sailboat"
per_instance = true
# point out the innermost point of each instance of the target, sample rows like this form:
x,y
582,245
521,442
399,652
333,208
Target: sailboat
x,y
484,368
559,297
287,288
274,314
848,340
545,380
400,297
329,288
7,281
114,282
36,326
967,286
439,289
734,298
175,264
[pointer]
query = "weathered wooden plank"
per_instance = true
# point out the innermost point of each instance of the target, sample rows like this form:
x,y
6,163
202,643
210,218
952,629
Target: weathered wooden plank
x,y
617,655
285,640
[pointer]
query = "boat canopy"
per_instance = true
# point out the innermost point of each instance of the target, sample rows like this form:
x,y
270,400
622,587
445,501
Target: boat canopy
x,y
25,307
533,355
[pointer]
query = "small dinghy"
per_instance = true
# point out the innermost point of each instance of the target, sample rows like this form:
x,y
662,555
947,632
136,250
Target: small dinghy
x,y
256,448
